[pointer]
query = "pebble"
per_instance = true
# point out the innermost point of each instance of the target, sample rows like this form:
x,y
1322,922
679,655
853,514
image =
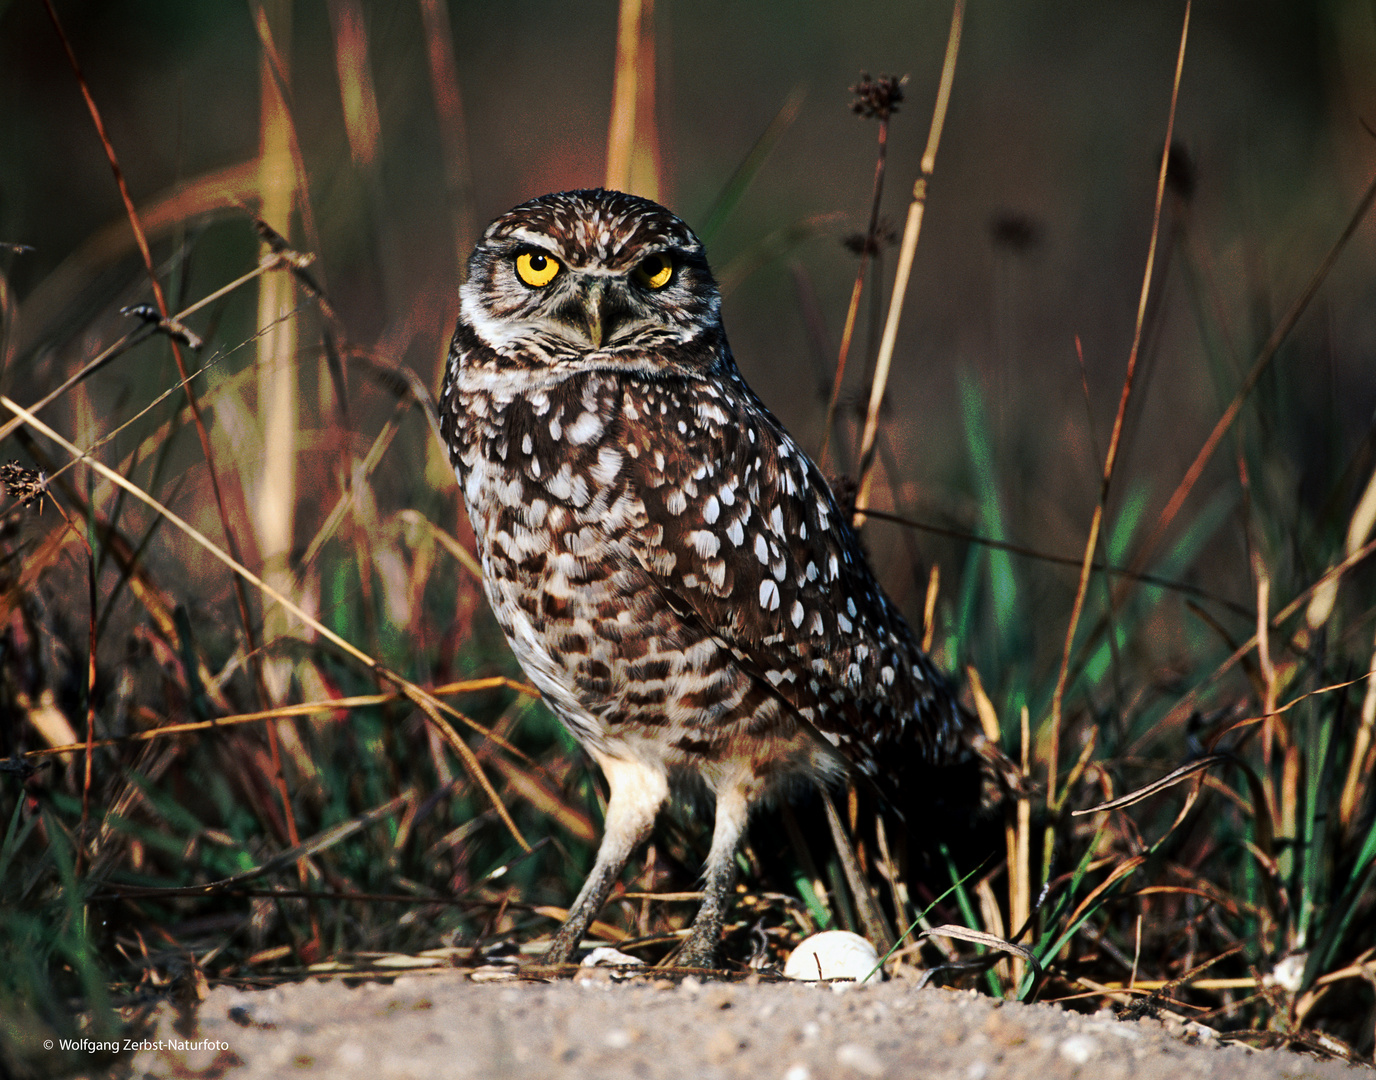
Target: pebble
x,y
860,1058
1078,1049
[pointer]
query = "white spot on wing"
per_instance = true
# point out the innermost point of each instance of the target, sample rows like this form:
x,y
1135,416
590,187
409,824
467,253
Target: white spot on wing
x,y
704,543
586,428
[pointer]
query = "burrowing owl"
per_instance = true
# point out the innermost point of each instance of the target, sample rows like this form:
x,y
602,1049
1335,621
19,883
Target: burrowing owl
x,y
671,570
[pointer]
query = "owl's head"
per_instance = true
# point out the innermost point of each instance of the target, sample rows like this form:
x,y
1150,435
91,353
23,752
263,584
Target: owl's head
x,y
582,272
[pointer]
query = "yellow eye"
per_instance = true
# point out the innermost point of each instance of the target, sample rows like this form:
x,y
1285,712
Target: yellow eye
x,y
536,268
655,271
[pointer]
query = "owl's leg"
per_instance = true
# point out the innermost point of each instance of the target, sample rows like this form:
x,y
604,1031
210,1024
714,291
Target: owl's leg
x,y
637,792
733,811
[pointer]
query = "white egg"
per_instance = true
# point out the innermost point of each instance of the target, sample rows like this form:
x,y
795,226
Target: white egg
x,y
833,954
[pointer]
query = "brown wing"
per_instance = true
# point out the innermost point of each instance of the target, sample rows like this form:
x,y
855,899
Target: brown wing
x,y
745,536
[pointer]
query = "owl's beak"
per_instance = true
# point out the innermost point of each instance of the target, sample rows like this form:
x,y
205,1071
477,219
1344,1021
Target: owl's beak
x,y
594,303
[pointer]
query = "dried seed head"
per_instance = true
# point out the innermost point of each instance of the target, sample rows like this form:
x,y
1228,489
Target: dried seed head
x,y
884,235
26,485
878,98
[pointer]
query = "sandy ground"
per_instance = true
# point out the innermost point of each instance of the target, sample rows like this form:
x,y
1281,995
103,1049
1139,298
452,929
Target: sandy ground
x,y
486,1024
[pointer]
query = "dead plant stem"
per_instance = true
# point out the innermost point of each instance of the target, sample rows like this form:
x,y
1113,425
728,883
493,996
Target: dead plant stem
x,y
911,230
871,241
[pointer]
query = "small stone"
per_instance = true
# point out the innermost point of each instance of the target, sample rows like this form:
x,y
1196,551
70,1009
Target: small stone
x,y
797,1071
860,1058
1078,1049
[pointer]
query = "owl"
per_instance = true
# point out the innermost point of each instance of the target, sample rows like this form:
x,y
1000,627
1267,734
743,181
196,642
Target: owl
x,y
670,568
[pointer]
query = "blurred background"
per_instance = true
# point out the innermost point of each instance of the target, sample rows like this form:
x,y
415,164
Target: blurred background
x,y
1037,229
380,137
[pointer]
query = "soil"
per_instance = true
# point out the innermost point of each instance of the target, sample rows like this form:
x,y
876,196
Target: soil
x,y
493,1023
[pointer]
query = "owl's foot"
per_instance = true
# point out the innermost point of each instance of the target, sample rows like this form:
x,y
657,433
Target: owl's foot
x,y
697,954
565,942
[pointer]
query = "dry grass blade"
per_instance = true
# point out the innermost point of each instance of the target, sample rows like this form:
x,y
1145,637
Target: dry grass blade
x,y
1019,847
358,96
1358,771
911,230
421,698
545,799
1358,532
1172,778
979,937
1122,870
1186,705
124,344
308,708
461,554
984,708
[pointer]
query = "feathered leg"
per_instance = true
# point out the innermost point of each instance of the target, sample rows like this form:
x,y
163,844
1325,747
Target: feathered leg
x,y
637,792
700,950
